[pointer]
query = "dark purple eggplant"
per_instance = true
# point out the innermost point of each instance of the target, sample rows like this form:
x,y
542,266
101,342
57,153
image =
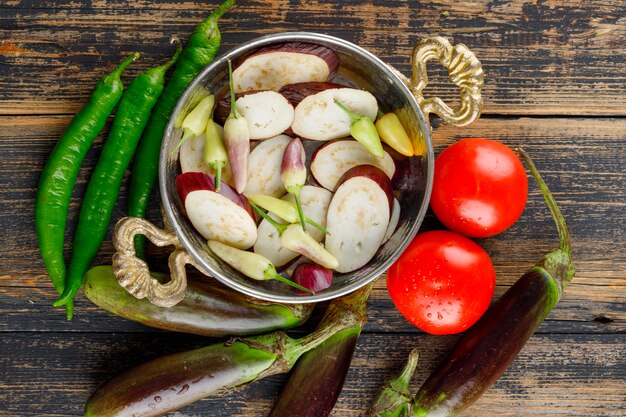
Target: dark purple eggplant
x,y
206,310
168,383
317,379
487,348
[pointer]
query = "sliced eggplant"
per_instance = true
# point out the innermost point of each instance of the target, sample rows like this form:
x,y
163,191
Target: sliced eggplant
x,y
192,181
268,113
216,217
373,173
274,66
318,117
295,93
331,161
264,167
357,220
393,220
315,201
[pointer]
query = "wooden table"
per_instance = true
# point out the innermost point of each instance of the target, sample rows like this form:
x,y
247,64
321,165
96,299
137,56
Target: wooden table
x,y
555,84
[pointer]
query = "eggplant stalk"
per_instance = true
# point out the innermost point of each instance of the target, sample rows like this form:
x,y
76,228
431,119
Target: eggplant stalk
x,y
487,348
171,382
395,397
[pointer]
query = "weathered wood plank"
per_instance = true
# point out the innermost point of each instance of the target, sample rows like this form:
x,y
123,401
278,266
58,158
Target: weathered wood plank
x,y
566,375
582,160
554,58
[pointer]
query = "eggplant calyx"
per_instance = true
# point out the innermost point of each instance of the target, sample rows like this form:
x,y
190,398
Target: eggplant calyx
x,y
559,265
395,397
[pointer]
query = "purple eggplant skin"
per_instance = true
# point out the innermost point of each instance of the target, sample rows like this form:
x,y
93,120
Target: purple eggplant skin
x,y
168,383
206,310
174,381
316,381
488,347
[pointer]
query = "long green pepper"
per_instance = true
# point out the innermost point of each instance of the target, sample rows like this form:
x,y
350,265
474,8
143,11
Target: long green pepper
x,y
198,53
59,174
103,188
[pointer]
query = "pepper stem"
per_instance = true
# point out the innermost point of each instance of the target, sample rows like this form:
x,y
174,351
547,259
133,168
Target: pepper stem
x,y
279,227
187,134
122,66
564,236
179,48
233,108
296,195
284,280
316,225
217,167
353,116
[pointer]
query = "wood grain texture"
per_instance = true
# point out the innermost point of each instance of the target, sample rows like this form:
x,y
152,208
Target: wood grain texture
x,y
548,57
556,375
581,159
555,83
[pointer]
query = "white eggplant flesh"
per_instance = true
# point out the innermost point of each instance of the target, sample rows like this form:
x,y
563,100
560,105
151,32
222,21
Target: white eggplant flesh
x,y
268,113
334,159
393,220
216,217
318,117
357,220
277,65
264,167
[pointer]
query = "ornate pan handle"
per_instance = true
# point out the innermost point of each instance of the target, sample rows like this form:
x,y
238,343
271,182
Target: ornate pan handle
x,y
464,70
133,273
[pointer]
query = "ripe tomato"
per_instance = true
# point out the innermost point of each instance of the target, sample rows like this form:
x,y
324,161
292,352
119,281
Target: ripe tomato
x,y
442,283
480,187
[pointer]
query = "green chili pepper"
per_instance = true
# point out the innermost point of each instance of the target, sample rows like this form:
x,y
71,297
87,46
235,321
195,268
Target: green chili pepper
x,y
363,130
197,54
215,153
106,180
61,169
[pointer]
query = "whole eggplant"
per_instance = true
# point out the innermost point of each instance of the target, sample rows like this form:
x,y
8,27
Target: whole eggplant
x,y
206,310
487,348
168,383
316,381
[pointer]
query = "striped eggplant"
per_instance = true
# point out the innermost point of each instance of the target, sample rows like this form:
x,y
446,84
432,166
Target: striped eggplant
x,y
207,309
174,381
487,348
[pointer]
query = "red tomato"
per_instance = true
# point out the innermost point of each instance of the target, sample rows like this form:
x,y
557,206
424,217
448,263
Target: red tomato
x,y
442,283
480,187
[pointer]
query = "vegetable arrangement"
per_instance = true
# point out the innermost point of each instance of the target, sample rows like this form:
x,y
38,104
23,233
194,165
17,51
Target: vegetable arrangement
x,y
133,115
355,218
485,351
246,189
